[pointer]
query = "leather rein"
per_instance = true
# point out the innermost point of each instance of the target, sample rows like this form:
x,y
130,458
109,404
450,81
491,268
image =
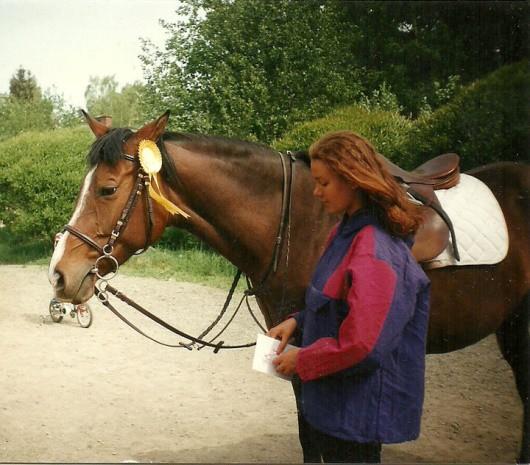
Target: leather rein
x,y
103,288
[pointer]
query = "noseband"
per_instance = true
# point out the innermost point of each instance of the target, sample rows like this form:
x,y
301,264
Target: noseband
x,y
141,185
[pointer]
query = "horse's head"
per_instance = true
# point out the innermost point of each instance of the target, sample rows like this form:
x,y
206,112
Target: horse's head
x,y
114,216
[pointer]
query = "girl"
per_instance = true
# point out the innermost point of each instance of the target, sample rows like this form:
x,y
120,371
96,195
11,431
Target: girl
x,y
364,325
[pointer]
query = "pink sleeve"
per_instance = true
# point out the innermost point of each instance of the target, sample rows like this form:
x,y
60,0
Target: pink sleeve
x,y
369,299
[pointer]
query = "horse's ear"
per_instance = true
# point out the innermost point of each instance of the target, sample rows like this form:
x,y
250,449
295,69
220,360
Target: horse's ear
x,y
98,128
153,130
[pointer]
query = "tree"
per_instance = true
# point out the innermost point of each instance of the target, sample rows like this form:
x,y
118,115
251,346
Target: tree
x,y
102,97
418,47
23,86
252,68
27,109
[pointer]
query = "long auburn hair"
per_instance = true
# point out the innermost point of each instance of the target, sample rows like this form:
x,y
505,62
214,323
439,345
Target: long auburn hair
x,y
354,159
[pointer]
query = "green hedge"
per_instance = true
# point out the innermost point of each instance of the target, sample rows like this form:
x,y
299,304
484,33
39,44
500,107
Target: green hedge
x,y
40,177
486,122
386,130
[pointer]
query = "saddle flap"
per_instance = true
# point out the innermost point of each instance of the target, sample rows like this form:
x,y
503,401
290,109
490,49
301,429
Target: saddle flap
x,y
432,237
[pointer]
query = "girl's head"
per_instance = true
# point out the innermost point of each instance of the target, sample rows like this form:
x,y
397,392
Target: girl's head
x,y
349,176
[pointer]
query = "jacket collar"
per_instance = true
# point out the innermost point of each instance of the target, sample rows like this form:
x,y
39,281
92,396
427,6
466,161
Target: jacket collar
x,y
351,224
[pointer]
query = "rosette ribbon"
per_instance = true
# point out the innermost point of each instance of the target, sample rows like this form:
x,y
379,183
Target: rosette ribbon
x,y
151,162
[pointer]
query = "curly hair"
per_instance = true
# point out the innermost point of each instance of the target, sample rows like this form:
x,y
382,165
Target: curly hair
x,y
355,160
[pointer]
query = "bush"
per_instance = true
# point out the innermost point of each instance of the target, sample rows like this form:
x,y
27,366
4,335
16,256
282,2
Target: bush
x,y
484,123
20,115
40,176
386,130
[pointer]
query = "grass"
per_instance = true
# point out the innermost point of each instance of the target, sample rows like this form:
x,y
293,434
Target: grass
x,y
13,252
196,266
193,265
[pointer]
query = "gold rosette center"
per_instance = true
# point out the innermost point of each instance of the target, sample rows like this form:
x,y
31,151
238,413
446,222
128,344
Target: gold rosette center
x,y
150,157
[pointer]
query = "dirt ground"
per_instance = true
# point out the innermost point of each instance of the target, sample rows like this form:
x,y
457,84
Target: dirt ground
x,y
106,394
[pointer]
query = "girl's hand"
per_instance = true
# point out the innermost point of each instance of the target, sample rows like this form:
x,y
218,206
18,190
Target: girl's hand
x,y
283,332
286,363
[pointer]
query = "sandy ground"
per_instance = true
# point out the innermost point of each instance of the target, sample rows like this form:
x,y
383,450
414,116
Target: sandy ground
x,y
106,394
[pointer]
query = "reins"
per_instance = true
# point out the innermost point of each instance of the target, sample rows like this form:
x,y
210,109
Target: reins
x,y
103,288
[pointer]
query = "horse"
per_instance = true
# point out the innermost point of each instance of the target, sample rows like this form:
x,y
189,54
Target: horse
x,y
235,195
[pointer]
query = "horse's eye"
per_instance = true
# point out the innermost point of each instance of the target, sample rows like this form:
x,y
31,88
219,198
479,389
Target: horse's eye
x,y
107,191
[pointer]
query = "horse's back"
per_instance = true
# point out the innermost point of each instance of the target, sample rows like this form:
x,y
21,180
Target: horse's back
x,y
471,302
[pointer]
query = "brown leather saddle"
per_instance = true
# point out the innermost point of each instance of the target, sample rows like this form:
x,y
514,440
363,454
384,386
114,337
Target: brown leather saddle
x,y
441,172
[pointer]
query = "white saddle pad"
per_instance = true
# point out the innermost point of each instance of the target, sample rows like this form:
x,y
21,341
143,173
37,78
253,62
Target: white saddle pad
x,y
480,228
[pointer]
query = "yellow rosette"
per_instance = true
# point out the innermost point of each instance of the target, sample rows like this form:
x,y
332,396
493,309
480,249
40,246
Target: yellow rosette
x,y
151,162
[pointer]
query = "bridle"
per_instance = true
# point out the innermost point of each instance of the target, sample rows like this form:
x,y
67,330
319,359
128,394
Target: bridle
x,y
141,185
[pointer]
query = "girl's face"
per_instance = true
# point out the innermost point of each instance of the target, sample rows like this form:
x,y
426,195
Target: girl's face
x,y
337,195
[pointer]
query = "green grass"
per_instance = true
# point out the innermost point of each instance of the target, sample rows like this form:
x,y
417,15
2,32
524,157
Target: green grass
x,y
14,252
194,265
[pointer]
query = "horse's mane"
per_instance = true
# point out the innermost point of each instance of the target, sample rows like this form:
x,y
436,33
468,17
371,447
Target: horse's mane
x,y
224,146
217,145
108,148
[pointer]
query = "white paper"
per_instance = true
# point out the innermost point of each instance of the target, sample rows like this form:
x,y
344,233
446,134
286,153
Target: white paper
x,y
264,354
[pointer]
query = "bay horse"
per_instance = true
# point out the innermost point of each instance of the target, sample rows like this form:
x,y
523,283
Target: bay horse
x,y
233,192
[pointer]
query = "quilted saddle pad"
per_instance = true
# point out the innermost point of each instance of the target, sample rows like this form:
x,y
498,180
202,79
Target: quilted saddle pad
x,y
480,227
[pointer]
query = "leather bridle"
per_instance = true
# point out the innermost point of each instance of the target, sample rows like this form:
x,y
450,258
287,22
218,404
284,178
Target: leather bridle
x,y
141,185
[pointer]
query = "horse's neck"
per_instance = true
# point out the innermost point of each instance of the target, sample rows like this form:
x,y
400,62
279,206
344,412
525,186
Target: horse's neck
x,y
234,202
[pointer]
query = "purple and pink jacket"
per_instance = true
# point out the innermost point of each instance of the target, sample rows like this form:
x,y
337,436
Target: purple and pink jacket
x,y
364,329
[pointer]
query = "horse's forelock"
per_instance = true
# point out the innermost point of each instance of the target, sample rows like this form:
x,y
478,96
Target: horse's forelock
x,y
108,148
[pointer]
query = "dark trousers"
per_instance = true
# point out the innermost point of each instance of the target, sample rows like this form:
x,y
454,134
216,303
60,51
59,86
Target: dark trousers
x,y
319,447
335,450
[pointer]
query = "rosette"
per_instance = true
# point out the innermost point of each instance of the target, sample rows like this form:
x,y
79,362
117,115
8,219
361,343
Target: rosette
x,y
151,162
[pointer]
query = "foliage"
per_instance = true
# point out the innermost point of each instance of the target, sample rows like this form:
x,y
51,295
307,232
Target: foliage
x,y
182,265
27,109
413,45
40,175
179,239
104,98
13,251
256,69
386,130
381,98
64,115
23,86
17,116
252,69
486,122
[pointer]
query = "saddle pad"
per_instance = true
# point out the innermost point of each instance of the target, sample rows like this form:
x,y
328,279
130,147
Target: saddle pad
x,y
480,228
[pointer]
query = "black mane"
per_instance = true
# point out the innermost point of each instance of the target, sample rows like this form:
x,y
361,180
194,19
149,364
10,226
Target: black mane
x,y
108,148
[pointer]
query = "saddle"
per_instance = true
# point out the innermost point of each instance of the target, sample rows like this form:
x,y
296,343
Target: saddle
x,y
441,172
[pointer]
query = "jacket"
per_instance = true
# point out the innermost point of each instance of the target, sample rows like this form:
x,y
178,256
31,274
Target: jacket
x,y
364,329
